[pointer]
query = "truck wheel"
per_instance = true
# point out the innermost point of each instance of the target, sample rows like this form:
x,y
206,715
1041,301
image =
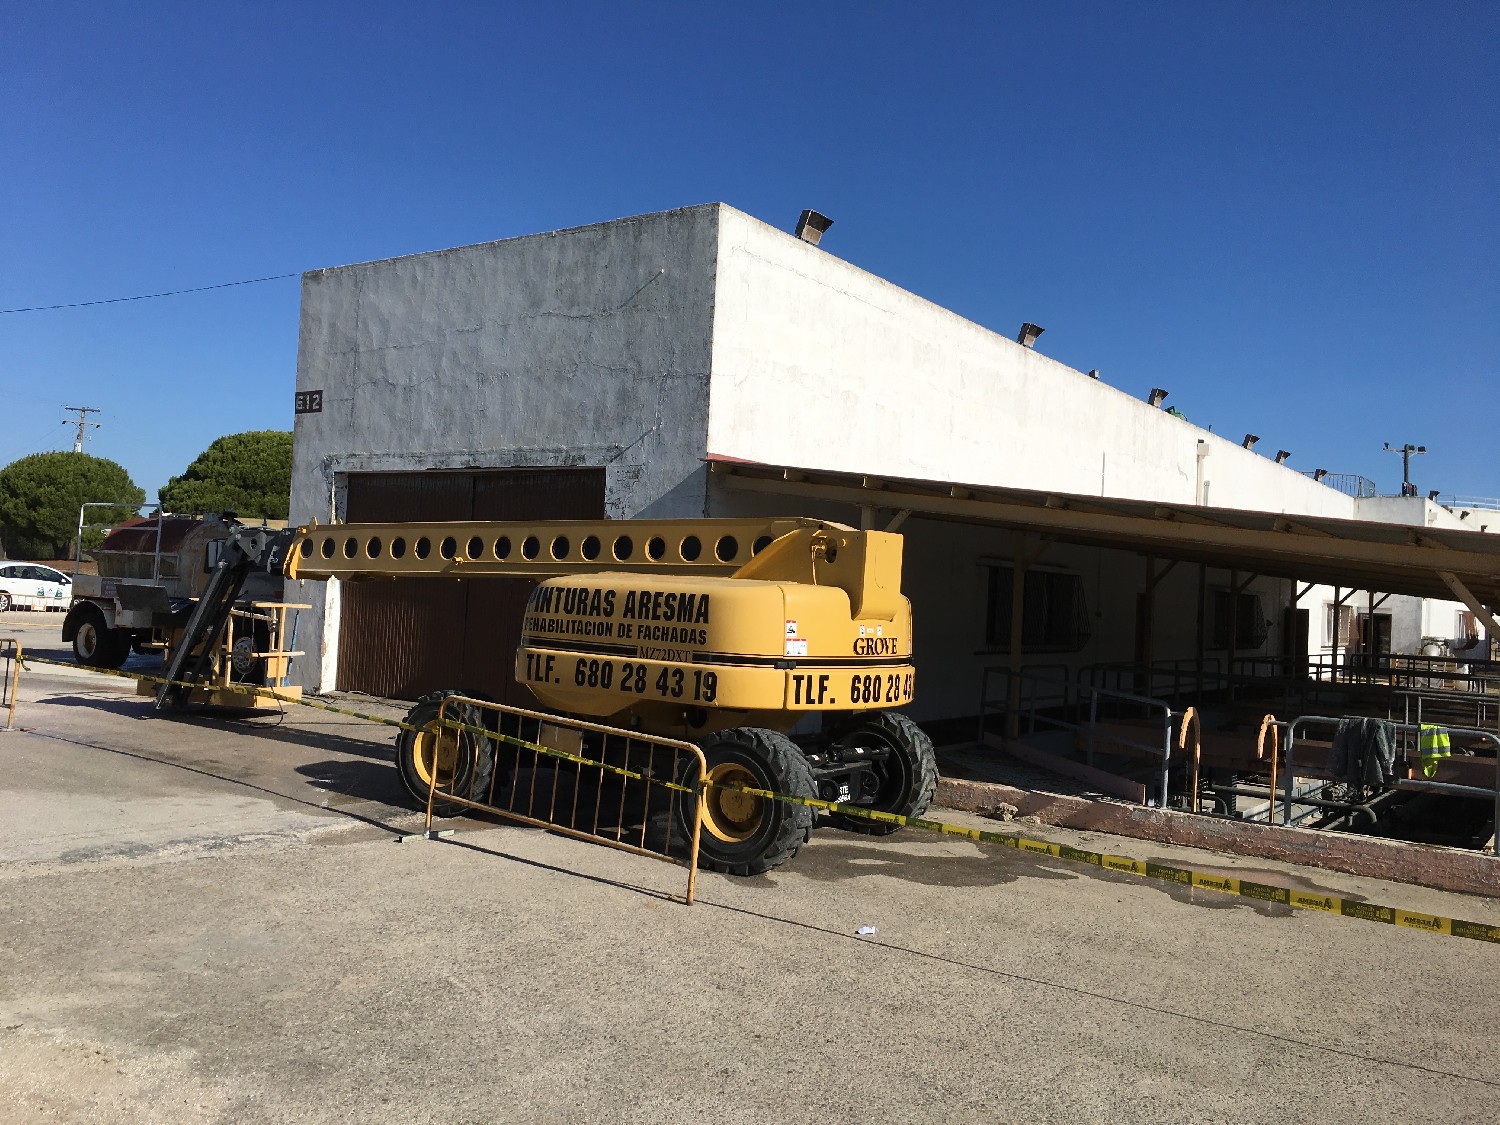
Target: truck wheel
x,y
96,645
743,834
908,775
464,761
244,666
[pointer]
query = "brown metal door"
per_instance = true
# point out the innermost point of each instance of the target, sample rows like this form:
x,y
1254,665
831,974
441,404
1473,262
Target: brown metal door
x,y
403,639
495,607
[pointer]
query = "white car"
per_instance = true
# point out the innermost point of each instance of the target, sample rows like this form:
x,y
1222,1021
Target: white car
x,y
32,586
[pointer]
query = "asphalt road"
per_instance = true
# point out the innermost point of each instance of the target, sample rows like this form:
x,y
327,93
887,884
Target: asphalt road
x,y
207,920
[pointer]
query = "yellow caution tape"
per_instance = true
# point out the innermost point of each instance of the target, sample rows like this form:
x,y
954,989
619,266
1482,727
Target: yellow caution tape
x,y
1126,865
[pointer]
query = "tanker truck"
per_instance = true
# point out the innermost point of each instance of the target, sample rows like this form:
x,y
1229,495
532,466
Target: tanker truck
x,y
151,571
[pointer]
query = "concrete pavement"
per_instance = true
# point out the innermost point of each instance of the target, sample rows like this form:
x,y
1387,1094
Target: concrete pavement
x,y
207,921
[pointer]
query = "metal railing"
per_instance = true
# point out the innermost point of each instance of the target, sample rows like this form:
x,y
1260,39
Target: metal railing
x,y
1418,785
1350,484
1049,703
123,513
1440,707
10,678
1161,679
1479,503
1406,671
559,774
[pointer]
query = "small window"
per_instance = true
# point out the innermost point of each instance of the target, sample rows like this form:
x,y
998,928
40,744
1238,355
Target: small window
x,y
1054,615
1345,631
1250,626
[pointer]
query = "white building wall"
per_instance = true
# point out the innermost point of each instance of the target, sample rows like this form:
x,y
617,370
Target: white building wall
x,y
642,345
822,365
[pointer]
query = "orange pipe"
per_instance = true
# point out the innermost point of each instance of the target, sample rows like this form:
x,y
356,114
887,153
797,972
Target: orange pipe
x,y
1269,723
1190,719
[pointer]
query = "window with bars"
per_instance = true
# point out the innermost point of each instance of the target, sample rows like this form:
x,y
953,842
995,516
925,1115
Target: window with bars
x,y
1250,625
1054,613
1344,629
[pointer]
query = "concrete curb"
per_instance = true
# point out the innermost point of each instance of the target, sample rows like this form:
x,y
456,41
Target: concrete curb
x,y
1446,869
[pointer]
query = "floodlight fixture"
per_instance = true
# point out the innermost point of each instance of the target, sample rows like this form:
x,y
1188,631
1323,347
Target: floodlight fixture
x,y
811,227
1028,334
1250,439
1319,474
1156,396
1433,495
1282,455
1406,451
1093,373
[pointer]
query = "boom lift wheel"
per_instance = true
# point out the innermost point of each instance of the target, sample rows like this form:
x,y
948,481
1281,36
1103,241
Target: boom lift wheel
x,y
464,761
744,834
908,774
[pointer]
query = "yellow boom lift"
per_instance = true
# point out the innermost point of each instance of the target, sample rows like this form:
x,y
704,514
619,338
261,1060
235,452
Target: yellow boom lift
x,y
726,632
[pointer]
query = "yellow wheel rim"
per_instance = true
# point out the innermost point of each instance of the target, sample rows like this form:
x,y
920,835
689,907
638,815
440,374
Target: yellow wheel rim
x,y
443,746
727,815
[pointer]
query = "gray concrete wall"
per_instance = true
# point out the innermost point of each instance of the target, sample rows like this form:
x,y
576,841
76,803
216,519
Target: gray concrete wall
x,y
588,346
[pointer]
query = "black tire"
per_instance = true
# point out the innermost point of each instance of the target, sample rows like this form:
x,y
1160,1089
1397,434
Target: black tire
x,y
908,775
96,645
245,668
470,756
744,835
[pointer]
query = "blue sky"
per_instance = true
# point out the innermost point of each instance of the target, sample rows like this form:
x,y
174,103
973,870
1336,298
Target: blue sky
x,y
1283,213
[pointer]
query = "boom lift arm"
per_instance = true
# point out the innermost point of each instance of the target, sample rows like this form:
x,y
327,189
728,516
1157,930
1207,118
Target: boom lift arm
x,y
190,660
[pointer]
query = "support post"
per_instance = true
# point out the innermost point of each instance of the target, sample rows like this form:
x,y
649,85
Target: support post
x,y
1463,594
1147,627
1201,639
1234,630
1017,612
1339,598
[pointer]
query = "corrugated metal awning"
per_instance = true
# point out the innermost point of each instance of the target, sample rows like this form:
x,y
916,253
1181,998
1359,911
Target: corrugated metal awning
x,y
1359,554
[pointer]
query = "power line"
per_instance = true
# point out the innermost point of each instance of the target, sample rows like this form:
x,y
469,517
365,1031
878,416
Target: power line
x,y
9,457
149,296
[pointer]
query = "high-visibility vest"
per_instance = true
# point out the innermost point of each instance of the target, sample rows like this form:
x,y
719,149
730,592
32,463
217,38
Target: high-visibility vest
x,y
1434,745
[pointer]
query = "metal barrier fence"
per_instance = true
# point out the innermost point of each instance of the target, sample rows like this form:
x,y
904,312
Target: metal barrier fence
x,y
1047,702
10,678
1161,679
1405,671
1418,785
561,774
1444,707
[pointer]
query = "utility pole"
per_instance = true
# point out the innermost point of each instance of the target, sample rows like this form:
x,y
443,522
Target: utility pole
x,y
1407,488
83,413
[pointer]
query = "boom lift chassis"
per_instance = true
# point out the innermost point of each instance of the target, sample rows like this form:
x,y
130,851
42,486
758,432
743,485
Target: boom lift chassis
x,y
732,633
